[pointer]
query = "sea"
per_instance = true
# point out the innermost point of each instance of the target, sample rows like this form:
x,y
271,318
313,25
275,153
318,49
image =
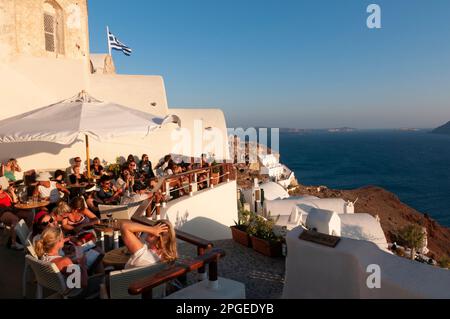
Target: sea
x,y
415,165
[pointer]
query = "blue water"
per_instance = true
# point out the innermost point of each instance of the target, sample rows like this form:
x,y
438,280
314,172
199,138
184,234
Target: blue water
x,y
413,165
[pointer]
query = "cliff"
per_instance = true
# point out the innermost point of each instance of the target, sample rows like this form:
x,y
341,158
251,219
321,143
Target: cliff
x,y
393,213
444,129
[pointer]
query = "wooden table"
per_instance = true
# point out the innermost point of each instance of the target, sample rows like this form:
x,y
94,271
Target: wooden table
x,y
117,258
32,206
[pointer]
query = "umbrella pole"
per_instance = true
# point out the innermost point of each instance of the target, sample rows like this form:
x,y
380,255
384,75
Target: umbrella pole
x,y
88,161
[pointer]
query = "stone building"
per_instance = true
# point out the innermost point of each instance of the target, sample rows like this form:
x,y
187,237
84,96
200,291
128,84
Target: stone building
x,y
45,58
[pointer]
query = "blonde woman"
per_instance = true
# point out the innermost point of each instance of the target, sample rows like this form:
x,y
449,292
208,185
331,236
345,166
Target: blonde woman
x,y
60,211
9,169
48,249
158,246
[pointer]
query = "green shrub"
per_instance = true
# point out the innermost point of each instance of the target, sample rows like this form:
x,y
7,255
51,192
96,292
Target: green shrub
x,y
262,228
244,218
413,237
444,262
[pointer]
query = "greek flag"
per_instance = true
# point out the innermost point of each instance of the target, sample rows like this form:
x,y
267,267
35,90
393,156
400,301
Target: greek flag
x,y
115,44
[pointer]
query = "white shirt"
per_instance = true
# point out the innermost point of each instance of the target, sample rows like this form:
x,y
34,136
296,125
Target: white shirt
x,y
52,192
143,257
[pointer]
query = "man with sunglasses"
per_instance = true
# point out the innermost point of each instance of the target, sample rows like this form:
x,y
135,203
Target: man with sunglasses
x,y
108,194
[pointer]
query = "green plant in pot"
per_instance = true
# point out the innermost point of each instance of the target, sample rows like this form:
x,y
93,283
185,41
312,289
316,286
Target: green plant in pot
x,y
215,176
263,238
239,230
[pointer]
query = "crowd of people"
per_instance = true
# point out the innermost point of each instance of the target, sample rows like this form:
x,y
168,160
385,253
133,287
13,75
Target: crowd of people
x,y
67,222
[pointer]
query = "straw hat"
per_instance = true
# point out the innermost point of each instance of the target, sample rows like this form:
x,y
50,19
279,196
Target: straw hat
x,y
43,177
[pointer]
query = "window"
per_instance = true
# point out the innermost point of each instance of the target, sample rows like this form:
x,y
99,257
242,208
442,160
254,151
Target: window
x,y
49,29
53,27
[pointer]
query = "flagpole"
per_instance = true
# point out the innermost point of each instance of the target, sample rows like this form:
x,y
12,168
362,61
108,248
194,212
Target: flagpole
x,y
109,43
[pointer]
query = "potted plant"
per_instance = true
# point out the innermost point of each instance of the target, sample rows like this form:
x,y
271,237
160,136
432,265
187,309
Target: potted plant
x,y
263,238
239,230
115,168
215,173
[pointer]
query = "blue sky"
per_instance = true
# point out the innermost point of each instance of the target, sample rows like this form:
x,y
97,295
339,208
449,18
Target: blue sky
x,y
280,63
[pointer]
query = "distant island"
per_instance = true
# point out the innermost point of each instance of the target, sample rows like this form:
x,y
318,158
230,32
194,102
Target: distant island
x,y
293,130
341,129
330,130
409,129
444,129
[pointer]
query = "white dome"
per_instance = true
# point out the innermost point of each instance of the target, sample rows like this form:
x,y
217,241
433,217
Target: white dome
x,y
273,191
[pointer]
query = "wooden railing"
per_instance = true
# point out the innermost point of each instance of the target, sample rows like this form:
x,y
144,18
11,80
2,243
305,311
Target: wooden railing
x,y
205,255
145,286
197,179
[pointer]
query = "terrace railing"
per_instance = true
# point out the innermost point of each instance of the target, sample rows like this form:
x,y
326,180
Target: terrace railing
x,y
188,183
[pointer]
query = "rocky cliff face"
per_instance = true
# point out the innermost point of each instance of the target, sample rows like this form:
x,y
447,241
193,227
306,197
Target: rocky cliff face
x,y
444,129
393,213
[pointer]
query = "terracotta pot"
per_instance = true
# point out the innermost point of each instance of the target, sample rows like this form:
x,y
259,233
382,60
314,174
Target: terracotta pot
x,y
240,236
267,248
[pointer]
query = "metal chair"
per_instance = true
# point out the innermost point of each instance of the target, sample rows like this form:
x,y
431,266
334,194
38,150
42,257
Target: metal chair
x,y
22,231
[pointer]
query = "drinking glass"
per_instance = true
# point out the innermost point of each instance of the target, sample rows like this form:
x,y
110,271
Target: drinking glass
x,y
109,215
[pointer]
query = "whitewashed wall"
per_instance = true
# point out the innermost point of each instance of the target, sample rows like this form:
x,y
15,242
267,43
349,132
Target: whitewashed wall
x,y
315,271
208,214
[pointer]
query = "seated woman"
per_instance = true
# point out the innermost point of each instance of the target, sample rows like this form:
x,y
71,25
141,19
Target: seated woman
x,y
126,181
107,194
159,245
48,249
97,169
41,221
10,216
60,211
130,159
9,169
80,218
145,167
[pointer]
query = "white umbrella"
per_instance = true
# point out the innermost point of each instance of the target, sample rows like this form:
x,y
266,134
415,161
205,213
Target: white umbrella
x,y
65,121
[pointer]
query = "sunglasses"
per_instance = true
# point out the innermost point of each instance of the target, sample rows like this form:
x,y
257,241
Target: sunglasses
x,y
51,220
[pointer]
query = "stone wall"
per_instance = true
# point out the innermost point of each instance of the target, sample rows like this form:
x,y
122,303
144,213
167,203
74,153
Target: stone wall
x,y
22,28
